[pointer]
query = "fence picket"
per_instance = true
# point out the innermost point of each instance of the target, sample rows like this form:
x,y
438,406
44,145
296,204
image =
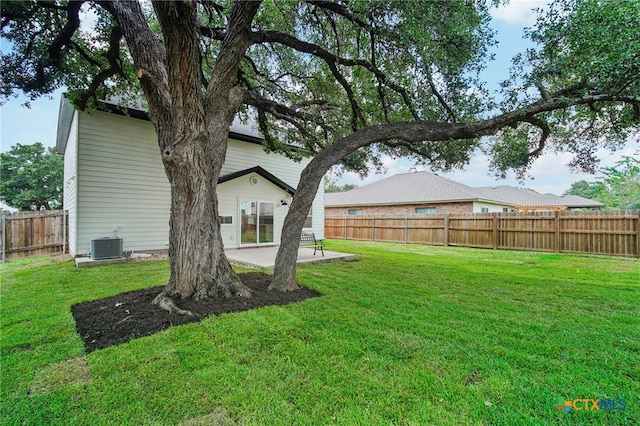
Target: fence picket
x,y
33,233
614,233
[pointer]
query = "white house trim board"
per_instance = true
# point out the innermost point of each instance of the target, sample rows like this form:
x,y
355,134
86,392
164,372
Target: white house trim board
x,y
70,183
490,207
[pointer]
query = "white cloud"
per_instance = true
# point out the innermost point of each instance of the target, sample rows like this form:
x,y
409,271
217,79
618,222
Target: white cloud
x,y
518,12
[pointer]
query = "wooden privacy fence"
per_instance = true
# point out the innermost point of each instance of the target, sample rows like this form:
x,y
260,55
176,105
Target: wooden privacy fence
x,y
596,232
34,233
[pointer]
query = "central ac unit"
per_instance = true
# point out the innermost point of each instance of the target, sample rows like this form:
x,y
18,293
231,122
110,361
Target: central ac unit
x,y
106,248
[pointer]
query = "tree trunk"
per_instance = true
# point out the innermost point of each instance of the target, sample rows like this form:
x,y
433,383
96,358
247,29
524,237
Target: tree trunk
x,y
192,127
199,266
284,272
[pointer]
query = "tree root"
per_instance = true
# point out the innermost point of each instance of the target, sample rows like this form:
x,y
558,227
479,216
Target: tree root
x,y
283,285
168,305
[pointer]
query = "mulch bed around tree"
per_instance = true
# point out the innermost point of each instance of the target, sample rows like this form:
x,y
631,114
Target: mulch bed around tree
x,y
118,319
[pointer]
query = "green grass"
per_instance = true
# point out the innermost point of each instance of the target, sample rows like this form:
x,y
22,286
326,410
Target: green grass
x,y
406,335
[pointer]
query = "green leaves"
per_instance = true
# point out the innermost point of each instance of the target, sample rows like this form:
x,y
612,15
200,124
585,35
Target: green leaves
x,y
618,187
591,42
32,177
48,49
588,58
319,71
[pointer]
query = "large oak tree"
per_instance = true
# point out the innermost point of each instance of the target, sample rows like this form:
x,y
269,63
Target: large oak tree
x,y
342,82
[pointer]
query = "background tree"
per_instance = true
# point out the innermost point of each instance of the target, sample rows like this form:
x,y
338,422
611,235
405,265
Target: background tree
x,y
590,190
341,81
331,186
619,187
31,177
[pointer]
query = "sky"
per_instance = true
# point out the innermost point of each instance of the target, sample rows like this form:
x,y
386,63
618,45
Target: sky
x,y
551,175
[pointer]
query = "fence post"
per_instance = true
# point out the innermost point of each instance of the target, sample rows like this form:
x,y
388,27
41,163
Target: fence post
x,y
406,229
345,227
446,229
557,233
4,237
373,228
495,231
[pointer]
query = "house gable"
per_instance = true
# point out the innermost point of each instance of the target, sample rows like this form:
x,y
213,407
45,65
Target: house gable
x,y
261,172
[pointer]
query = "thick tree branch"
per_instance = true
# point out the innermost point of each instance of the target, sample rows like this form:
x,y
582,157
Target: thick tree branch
x,y
148,55
115,67
330,58
59,43
421,131
236,40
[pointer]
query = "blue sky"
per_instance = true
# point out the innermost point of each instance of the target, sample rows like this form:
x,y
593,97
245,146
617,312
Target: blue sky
x,y
39,123
550,173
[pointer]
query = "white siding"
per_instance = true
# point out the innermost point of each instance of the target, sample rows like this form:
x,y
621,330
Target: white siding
x,y
492,208
232,192
70,191
121,183
243,155
317,211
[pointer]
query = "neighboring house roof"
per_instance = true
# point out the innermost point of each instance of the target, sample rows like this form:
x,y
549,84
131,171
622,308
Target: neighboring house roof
x,y
406,188
529,197
576,201
425,187
261,172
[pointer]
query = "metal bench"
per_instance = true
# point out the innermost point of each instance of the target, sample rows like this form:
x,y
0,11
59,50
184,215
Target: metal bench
x,y
309,239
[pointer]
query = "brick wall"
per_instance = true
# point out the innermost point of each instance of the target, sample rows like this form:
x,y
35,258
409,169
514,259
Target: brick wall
x,y
404,209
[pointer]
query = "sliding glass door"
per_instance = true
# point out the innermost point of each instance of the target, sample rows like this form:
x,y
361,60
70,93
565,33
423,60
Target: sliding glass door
x,y
257,222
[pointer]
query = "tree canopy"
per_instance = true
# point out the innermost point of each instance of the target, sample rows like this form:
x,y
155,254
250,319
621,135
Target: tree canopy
x,y
31,177
618,187
340,81
315,72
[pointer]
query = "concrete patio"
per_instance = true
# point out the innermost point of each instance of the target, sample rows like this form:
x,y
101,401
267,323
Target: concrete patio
x,y
259,257
264,257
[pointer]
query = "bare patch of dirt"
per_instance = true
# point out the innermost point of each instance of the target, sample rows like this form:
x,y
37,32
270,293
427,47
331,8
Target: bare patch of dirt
x,y
65,373
118,319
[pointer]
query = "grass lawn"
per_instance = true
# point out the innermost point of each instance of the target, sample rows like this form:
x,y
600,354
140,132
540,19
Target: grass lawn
x,y
408,334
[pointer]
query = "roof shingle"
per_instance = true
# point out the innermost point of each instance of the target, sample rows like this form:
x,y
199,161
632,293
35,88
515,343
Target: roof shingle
x,y
425,187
